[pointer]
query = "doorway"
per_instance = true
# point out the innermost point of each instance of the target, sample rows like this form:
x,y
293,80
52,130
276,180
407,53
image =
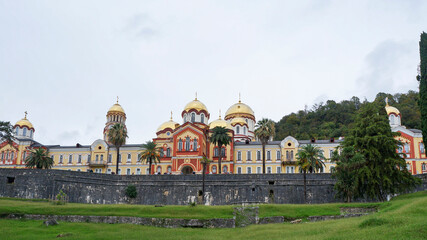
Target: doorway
x,y
187,170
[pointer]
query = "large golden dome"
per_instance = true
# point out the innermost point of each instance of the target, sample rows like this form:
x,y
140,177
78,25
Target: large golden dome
x,y
116,108
24,123
195,104
239,109
238,120
220,123
169,124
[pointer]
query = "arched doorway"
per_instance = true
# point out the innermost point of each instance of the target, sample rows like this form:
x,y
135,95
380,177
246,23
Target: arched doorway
x,y
187,170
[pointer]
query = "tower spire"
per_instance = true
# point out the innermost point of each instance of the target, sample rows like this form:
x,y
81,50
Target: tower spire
x,y
239,98
117,100
25,115
386,101
196,96
220,114
171,115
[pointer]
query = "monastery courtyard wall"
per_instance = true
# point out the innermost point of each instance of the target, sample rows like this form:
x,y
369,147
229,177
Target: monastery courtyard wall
x,y
84,187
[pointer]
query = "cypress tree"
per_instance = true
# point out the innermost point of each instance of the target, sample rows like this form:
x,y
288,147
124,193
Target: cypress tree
x,y
423,85
384,170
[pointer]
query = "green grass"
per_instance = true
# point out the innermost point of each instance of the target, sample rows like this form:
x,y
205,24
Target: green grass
x,y
403,218
24,206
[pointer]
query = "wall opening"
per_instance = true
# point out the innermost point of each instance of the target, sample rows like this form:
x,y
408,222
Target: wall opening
x,y
10,180
270,182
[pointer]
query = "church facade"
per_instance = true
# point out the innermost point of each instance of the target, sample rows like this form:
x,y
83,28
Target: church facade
x,y
183,146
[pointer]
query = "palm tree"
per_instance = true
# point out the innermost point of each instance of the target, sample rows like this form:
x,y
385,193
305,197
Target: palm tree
x,y
6,132
264,131
117,135
150,154
310,158
39,158
220,138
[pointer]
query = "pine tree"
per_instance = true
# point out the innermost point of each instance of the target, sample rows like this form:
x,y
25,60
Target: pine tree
x,y
384,171
423,85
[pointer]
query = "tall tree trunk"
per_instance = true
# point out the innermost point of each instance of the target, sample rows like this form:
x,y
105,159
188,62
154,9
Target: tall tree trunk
x,y
263,158
117,160
203,187
305,188
149,167
219,158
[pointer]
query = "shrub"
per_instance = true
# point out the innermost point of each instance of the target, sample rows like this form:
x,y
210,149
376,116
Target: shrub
x,y
60,199
131,191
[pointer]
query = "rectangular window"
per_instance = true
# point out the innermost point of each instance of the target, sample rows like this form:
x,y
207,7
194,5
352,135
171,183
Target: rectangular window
x,y
109,171
279,170
70,159
138,171
268,169
239,170
129,157
102,158
119,171
89,158
268,155
128,171
258,155
278,155
110,157
223,152
80,159
60,159
239,156
258,169
249,170
249,156
422,149
216,152
120,158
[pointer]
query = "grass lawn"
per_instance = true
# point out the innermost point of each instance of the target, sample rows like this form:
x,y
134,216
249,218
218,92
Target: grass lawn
x,y
405,217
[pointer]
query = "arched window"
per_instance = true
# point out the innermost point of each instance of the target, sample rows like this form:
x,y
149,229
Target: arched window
x,y
31,133
168,152
244,130
193,117
202,118
213,169
398,120
238,129
169,169
12,155
159,169
216,152
2,156
185,118
225,169
25,131
222,152
407,148
287,156
422,149
195,144
187,144
161,152
292,154
16,130
180,145
392,119
423,166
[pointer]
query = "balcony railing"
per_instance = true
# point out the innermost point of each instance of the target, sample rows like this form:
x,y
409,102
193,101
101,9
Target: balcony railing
x,y
97,163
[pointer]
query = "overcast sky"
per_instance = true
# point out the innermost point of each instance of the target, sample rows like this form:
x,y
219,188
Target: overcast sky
x,y
66,61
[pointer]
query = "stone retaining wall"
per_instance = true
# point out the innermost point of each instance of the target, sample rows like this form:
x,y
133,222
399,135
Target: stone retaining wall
x,y
84,187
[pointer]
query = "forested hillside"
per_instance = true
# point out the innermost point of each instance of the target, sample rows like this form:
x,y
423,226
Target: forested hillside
x,y
332,119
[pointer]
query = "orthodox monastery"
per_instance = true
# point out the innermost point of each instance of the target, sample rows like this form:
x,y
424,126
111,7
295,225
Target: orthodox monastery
x,y
184,144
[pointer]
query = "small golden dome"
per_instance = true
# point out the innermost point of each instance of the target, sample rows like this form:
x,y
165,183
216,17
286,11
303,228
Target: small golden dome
x,y
24,123
391,110
195,104
239,108
116,108
220,123
169,124
238,120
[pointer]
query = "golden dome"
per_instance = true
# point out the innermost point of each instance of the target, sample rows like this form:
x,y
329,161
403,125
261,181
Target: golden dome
x,y
391,110
24,123
195,104
238,120
169,124
239,108
220,123
116,108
